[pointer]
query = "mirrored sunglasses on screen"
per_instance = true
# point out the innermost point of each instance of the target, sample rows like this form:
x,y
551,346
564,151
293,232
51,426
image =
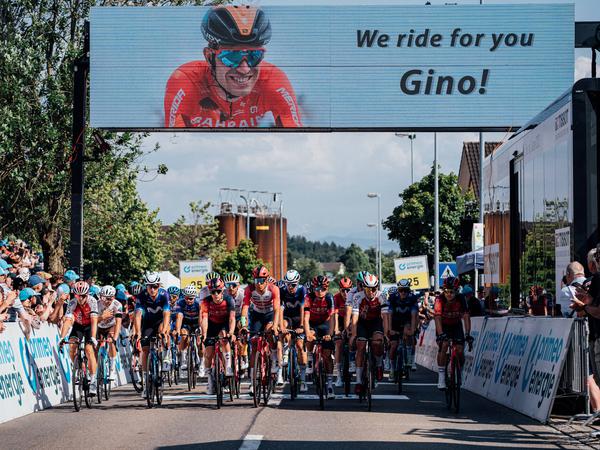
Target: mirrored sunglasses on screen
x,y
233,58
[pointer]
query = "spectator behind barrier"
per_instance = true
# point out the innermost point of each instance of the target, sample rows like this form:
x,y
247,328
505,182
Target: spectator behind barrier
x,y
575,273
537,303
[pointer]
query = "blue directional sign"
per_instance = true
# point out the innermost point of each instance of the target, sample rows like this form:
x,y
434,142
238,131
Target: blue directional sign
x,y
447,269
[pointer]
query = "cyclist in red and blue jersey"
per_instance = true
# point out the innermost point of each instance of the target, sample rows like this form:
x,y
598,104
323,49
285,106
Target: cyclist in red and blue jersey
x,y
403,311
450,311
187,313
292,312
320,321
368,309
261,311
233,87
152,316
218,320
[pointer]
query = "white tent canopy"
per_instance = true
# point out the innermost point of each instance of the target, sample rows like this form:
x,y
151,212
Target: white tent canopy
x,y
168,279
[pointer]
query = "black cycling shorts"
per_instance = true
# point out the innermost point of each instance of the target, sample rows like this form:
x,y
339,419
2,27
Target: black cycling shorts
x,y
259,321
321,330
454,332
81,332
366,328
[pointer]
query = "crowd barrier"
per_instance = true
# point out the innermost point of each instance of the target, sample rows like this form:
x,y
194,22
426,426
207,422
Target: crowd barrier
x,y
35,374
515,361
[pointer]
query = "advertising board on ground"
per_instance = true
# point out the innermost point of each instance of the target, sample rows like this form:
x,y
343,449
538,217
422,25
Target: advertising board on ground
x,y
334,67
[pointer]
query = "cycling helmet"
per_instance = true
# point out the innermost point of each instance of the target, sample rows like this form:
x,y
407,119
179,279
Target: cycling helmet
x,y
345,283
467,289
152,278
292,276
81,288
133,284
370,281
392,290
404,283
107,291
320,281
231,277
94,290
236,25
211,276
216,283
135,290
451,283
190,291
260,272
121,296
360,277
173,290
120,287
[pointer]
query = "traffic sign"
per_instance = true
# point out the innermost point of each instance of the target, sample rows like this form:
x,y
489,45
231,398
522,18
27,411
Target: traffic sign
x,y
414,268
447,269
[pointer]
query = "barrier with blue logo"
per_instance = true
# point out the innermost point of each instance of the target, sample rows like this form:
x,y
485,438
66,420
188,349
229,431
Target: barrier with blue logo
x,y
516,361
35,374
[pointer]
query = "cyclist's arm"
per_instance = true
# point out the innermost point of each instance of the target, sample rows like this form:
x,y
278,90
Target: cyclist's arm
x,y
94,326
179,322
413,321
306,317
204,323
467,322
232,322
65,327
276,306
166,320
286,110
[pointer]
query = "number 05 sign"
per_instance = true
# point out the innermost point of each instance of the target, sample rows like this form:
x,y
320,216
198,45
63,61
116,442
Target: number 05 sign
x,y
414,268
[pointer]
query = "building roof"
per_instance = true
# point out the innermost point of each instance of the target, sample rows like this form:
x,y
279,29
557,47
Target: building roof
x,y
468,173
333,267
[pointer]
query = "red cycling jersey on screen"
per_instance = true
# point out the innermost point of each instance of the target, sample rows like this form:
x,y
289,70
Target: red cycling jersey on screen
x,y
192,100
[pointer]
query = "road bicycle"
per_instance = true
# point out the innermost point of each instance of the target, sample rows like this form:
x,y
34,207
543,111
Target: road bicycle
x,y
221,379
402,370
368,376
80,385
346,375
192,359
136,374
103,371
154,375
262,379
320,377
292,373
453,374
174,374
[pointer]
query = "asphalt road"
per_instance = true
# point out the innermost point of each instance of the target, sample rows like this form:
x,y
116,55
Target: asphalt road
x,y
418,420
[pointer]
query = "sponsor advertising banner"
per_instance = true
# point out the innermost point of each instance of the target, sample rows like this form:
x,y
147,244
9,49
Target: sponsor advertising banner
x,y
487,348
529,364
35,374
194,272
329,67
415,268
477,326
426,349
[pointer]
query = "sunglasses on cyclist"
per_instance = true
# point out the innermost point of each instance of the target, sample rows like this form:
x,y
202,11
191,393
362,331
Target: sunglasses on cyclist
x,y
260,280
231,285
449,291
216,291
292,285
405,290
320,289
153,286
233,58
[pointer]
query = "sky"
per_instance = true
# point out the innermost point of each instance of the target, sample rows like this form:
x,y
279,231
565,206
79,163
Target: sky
x,y
324,178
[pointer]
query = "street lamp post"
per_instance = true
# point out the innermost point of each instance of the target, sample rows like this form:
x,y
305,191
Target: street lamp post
x,y
374,225
378,197
412,137
247,216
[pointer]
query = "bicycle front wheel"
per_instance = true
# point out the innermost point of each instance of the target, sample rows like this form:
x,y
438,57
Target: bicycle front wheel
x,y
346,371
449,388
77,386
456,381
292,375
321,384
191,368
150,379
159,383
369,385
257,376
267,380
218,380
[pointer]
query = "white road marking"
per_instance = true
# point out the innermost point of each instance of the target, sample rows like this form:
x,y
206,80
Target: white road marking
x,y
251,442
277,398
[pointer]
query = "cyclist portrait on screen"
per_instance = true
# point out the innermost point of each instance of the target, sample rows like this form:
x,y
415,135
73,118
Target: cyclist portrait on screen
x,y
233,87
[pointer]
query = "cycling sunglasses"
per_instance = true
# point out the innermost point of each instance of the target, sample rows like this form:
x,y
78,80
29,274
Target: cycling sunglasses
x,y
260,280
449,291
216,291
232,285
153,286
291,285
233,58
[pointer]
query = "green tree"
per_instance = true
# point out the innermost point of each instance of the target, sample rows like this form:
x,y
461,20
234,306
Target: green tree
x,y
412,222
241,259
355,260
39,42
308,268
121,236
388,271
193,237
